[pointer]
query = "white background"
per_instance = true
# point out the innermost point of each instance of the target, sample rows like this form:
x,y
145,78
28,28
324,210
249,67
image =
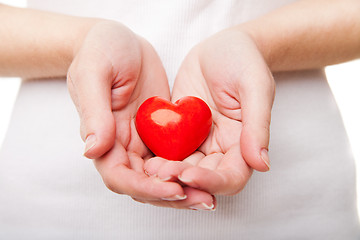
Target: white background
x,y
344,80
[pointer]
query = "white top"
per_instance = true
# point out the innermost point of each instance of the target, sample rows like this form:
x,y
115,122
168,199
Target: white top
x,y
49,191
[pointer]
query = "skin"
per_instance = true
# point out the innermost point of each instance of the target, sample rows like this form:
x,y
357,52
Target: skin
x,y
231,71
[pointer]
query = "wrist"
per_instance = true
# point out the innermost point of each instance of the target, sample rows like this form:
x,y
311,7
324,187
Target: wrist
x,y
79,33
92,31
255,33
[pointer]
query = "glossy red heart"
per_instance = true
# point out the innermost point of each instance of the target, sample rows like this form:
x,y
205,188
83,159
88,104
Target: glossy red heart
x,y
173,130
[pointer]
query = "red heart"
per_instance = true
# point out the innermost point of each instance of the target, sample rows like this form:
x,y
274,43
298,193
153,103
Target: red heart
x,y
173,131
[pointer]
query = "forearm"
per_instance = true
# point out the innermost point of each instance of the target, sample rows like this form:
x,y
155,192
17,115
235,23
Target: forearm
x,y
37,43
308,34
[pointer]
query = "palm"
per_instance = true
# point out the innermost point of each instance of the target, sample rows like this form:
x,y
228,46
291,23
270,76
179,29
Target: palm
x,y
218,166
150,82
126,157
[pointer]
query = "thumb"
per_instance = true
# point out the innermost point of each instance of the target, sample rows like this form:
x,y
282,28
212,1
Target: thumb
x,y
91,94
256,100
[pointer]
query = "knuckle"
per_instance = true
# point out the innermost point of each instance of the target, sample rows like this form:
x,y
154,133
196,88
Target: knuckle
x,y
139,200
111,185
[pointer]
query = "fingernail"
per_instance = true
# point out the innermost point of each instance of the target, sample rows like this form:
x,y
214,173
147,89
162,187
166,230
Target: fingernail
x,y
203,206
164,179
90,142
184,180
265,157
175,198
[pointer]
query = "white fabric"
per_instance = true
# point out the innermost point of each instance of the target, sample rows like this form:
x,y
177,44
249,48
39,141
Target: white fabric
x,y
48,191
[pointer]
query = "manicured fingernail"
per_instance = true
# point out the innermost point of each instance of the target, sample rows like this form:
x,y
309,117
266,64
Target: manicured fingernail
x,y
175,198
90,142
151,175
265,157
184,180
203,206
165,179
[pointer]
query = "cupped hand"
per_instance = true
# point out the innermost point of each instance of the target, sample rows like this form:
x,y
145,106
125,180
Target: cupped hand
x,y
112,73
229,73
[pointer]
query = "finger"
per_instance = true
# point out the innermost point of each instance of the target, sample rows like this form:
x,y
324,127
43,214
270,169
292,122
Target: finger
x,y
164,169
152,166
171,170
194,158
211,161
114,167
167,170
229,178
136,162
91,93
196,200
256,99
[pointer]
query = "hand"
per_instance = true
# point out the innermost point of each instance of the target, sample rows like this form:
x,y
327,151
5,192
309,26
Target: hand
x,y
229,73
113,72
